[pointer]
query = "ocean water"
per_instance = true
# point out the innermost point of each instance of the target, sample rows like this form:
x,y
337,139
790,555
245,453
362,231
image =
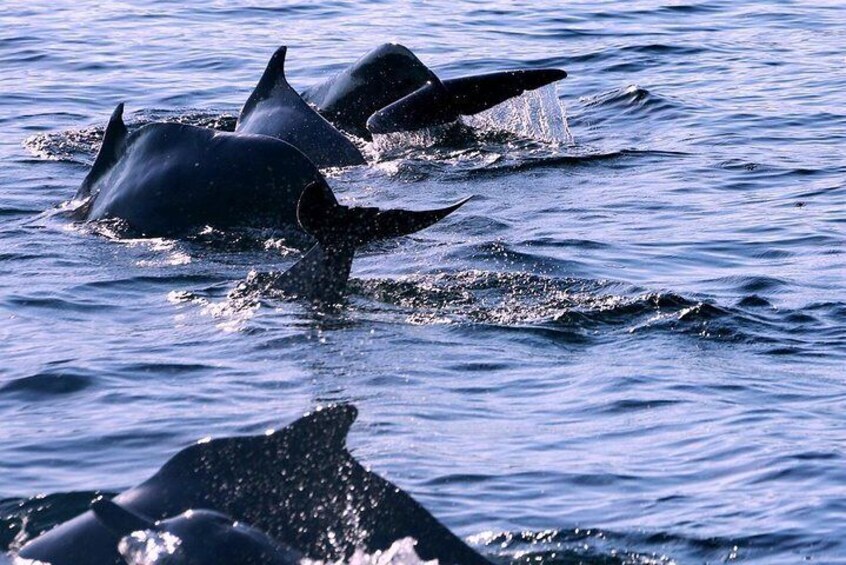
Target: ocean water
x,y
628,348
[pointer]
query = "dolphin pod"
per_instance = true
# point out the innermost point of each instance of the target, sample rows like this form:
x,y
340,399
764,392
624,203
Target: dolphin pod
x,y
299,484
300,490
166,178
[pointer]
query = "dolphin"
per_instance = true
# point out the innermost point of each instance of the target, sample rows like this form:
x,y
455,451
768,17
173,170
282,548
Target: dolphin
x,y
275,109
167,178
195,537
391,72
298,484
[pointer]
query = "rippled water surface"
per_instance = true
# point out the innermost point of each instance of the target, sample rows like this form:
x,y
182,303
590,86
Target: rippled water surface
x,y
628,348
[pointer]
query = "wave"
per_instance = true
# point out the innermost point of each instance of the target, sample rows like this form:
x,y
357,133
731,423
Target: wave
x,y
81,145
632,99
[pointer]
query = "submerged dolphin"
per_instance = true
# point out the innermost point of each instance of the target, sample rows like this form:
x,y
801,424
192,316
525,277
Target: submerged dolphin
x,y
275,109
195,537
391,72
299,484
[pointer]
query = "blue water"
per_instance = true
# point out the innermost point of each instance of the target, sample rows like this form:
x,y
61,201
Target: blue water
x,y
627,348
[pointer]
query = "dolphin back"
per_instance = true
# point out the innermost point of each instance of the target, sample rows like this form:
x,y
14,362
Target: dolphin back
x,y
275,109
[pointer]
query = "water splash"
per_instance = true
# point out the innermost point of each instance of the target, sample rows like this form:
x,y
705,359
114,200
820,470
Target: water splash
x,y
538,114
401,552
148,547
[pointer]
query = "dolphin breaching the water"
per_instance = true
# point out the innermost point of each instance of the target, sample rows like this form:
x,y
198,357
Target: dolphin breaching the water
x,y
275,109
390,73
195,537
300,485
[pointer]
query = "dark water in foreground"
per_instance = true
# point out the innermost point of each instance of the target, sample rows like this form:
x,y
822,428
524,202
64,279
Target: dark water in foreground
x,y
628,348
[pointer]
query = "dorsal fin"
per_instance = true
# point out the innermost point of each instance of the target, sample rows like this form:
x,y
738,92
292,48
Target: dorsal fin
x,y
119,520
114,141
274,75
324,429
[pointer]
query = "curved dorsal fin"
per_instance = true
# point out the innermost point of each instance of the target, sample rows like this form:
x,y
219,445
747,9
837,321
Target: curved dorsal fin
x,y
114,141
324,429
274,75
119,520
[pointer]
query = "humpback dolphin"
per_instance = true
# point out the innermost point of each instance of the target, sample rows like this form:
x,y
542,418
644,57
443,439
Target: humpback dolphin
x,y
167,178
298,484
275,109
379,78
392,72
195,537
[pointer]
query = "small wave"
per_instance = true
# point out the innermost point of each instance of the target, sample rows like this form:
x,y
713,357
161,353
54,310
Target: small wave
x,y
81,145
573,307
567,547
631,98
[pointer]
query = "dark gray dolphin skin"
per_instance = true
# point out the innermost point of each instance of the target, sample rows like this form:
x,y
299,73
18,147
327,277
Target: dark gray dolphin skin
x,y
322,273
392,72
275,109
205,538
166,178
379,78
300,485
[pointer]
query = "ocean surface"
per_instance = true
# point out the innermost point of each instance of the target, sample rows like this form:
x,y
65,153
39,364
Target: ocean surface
x,y
629,347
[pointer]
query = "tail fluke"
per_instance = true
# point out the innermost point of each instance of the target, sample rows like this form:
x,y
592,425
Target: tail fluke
x,y
321,275
428,106
438,103
332,224
471,95
119,520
